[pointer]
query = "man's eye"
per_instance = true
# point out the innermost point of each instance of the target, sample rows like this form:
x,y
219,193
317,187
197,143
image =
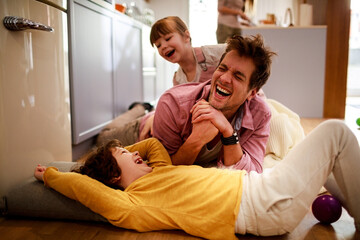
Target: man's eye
x,y
238,77
168,38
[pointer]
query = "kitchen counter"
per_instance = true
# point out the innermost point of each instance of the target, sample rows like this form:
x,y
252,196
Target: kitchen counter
x,y
298,71
271,26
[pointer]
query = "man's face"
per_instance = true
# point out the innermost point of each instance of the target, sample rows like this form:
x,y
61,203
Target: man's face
x,y
230,84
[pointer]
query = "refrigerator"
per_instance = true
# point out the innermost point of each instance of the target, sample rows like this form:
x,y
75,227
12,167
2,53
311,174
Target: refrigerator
x,y
34,88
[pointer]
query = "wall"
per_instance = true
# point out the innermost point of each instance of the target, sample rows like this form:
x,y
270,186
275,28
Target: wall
x,y
337,51
278,7
164,8
334,14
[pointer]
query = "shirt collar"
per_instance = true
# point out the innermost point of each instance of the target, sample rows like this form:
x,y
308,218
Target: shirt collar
x,y
247,120
206,90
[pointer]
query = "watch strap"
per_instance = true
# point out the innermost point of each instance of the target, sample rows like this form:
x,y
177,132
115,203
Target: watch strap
x,y
232,140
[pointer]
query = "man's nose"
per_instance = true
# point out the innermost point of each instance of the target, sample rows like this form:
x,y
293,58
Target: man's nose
x,y
226,77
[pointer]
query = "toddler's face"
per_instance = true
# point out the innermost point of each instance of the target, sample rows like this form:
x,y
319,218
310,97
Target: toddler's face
x,y
171,46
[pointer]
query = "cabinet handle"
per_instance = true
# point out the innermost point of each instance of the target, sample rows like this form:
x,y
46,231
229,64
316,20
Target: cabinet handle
x,y
19,24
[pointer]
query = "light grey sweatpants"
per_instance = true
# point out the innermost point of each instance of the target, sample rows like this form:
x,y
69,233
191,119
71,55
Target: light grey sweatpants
x,y
275,201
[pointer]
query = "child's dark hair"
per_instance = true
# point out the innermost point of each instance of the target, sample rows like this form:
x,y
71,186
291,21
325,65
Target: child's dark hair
x,y
252,47
100,164
165,26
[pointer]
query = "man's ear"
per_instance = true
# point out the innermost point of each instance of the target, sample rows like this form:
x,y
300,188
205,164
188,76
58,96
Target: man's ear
x,y
187,36
252,94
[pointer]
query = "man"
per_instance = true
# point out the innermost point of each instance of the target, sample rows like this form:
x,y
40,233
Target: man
x,y
223,118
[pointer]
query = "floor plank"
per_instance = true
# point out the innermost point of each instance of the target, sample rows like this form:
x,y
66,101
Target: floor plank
x,y
33,229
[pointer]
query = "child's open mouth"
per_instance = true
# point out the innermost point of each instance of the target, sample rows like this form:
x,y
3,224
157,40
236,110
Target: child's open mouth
x,y
138,161
169,54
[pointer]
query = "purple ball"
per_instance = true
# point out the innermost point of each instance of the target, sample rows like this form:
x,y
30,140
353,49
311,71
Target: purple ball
x,y
327,209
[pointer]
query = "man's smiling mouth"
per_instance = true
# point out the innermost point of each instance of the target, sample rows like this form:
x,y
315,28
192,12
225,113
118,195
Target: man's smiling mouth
x,y
222,92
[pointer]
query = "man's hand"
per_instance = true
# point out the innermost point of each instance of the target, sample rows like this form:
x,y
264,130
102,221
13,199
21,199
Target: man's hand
x,y
39,172
202,133
202,111
205,131
147,131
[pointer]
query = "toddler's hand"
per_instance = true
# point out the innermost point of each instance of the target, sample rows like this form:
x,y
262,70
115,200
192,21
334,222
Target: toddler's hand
x,y
39,172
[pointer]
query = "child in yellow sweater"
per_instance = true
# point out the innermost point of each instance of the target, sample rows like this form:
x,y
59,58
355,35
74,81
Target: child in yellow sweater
x,y
208,202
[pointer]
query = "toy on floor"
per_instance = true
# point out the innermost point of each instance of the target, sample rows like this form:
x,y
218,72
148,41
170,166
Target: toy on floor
x,y
327,209
358,122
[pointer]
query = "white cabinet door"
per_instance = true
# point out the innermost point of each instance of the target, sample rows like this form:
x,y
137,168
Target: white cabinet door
x,y
91,69
34,92
106,68
127,65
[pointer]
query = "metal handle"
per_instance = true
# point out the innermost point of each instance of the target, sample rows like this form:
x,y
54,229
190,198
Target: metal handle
x,y
18,24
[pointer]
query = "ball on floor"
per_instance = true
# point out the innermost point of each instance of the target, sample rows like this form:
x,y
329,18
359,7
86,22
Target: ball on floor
x,y
327,209
358,122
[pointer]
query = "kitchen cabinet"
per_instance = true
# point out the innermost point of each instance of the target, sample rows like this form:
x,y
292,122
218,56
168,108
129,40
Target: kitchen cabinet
x,y
149,66
128,81
105,69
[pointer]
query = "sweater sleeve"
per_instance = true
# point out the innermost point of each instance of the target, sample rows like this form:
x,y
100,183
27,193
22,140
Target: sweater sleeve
x,y
91,193
153,151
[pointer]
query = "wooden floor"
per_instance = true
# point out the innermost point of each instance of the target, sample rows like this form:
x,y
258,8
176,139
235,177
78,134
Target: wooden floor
x,y
33,229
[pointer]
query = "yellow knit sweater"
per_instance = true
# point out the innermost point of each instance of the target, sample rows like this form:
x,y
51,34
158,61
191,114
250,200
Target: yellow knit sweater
x,y
203,202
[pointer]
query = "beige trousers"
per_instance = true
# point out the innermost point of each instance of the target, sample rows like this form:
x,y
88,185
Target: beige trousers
x,y
125,127
275,201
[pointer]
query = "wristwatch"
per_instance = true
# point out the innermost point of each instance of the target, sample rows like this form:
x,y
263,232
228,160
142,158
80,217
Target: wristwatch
x,y
233,139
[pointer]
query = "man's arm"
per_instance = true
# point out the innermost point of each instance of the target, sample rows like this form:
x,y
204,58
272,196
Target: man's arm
x,y
202,111
202,133
172,125
253,143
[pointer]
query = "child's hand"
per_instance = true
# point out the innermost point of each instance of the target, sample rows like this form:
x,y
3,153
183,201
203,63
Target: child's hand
x,y
39,172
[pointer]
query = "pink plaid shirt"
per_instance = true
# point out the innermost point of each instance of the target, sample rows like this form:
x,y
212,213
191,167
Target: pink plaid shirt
x,y
172,123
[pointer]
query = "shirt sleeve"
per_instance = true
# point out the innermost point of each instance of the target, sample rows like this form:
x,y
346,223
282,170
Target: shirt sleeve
x,y
90,192
253,148
165,123
221,3
153,151
213,53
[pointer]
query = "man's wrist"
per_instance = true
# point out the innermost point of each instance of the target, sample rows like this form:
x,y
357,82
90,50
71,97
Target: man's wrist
x,y
232,140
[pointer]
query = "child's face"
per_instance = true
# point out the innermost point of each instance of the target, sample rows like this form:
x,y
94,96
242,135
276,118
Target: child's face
x,y
131,164
172,46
